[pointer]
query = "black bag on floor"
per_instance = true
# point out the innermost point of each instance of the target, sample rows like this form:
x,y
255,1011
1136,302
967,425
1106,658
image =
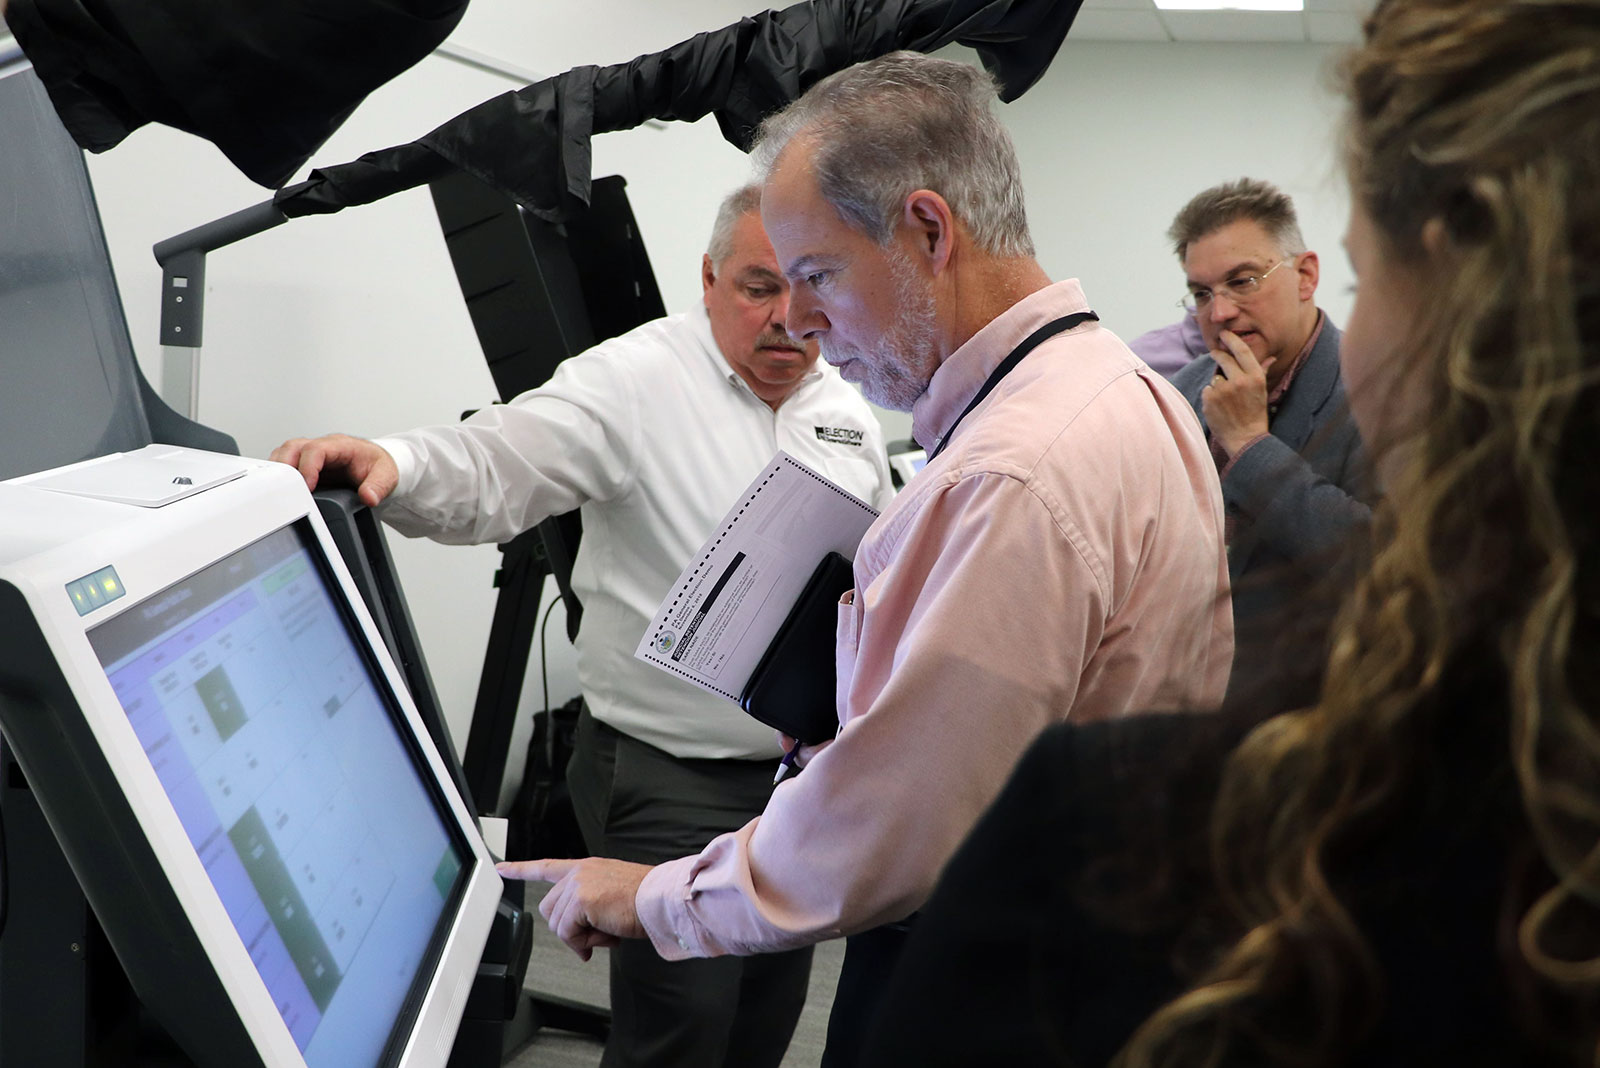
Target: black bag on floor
x,y
541,823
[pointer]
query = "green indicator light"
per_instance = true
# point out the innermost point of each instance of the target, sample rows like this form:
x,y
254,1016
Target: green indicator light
x,y
92,591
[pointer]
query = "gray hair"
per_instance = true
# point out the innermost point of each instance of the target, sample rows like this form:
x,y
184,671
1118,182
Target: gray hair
x,y
746,200
883,129
1247,198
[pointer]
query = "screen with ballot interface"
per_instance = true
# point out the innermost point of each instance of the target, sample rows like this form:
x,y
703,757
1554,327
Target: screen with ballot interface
x,y
276,743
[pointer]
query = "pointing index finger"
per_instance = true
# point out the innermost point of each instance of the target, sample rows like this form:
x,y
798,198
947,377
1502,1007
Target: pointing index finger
x,y
546,871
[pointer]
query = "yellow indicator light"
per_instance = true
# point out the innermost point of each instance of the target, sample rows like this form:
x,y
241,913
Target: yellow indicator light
x,y
92,591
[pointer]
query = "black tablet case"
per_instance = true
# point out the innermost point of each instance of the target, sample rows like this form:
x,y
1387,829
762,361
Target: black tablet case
x,y
792,687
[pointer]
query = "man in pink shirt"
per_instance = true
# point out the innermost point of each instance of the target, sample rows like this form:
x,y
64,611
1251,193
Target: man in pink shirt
x,y
1060,554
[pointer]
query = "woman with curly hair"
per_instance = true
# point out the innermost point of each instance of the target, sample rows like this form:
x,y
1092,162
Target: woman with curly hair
x,y
1408,870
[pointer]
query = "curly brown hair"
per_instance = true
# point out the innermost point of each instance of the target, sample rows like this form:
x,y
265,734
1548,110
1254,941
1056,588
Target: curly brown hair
x,y
1473,143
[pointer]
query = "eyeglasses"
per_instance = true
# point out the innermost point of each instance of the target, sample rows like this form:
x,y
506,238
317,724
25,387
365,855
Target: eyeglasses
x,y
1239,290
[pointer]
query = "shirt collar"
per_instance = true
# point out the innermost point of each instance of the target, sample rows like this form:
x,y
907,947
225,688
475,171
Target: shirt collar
x,y
701,321
814,375
963,373
1282,387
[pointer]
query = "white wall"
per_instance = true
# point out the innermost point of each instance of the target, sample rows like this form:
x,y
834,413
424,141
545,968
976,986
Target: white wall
x,y
353,321
1117,137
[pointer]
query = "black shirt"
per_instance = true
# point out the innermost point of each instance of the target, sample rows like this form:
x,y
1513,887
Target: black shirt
x,y
1084,900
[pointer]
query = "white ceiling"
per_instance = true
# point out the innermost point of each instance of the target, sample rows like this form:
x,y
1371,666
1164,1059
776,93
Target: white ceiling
x,y
1323,22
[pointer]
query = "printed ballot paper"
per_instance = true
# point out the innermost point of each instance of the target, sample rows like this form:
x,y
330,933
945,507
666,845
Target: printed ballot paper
x,y
730,602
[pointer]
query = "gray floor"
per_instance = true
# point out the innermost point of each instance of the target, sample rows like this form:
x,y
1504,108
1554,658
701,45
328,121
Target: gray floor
x,y
554,969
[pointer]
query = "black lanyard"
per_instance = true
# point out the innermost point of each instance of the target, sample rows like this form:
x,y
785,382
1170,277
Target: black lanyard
x,y
1031,342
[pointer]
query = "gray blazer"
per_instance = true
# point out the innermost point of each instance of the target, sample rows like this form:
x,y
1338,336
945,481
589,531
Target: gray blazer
x,y
1297,498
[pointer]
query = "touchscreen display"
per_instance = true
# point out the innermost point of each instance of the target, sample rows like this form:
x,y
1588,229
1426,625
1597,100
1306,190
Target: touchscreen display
x,y
282,756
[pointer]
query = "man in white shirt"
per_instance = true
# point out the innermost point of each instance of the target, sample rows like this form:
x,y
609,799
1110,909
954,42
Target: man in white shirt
x,y
653,435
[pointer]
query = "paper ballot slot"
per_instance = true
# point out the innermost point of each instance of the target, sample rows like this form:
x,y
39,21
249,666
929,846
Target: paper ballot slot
x,y
151,477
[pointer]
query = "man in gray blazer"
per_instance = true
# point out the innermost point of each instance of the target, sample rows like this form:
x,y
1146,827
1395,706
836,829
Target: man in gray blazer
x,y
1296,483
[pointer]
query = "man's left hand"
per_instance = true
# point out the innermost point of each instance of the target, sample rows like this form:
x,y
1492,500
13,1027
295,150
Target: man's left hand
x,y
591,904
1235,403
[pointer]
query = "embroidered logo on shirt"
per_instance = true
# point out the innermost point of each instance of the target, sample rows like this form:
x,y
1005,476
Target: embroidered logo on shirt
x,y
840,435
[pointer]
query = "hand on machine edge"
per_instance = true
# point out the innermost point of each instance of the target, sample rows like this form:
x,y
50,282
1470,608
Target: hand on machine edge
x,y
340,459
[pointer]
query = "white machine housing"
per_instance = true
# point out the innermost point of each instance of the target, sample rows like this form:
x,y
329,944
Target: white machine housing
x,y
119,828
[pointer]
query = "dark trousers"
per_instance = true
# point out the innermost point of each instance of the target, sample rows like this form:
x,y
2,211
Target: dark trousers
x,y
869,961
635,802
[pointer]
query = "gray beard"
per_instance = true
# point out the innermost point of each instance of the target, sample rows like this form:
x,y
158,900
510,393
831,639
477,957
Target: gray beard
x,y
902,360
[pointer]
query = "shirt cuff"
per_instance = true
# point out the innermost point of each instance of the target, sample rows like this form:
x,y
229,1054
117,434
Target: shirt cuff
x,y
662,902
1235,457
406,459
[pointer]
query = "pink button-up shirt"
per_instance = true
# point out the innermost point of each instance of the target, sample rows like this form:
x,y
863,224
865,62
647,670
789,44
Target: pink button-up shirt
x,y
1063,556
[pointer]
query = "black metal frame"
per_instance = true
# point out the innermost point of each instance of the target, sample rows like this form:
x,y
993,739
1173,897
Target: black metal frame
x,y
537,294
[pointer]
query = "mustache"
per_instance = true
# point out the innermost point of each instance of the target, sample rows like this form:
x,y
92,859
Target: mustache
x,y
772,339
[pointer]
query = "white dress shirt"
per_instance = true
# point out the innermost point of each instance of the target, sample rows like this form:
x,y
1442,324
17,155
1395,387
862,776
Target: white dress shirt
x,y
654,436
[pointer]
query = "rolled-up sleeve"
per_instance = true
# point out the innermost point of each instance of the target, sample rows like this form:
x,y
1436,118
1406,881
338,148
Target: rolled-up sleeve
x,y
956,672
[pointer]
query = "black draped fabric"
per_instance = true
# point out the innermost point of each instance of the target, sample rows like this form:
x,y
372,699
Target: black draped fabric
x,y
534,142
266,82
